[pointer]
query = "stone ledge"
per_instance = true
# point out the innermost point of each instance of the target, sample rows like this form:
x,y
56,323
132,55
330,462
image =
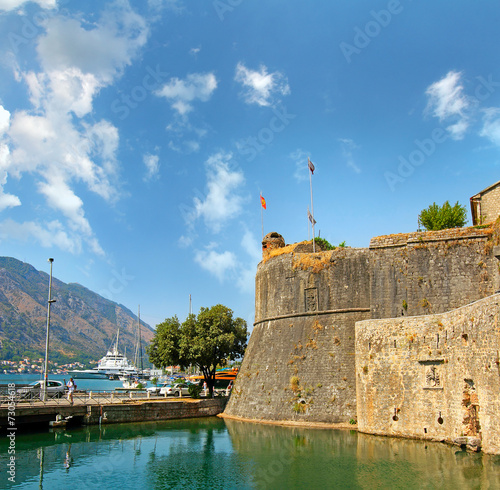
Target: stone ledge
x,y
313,313
291,423
415,238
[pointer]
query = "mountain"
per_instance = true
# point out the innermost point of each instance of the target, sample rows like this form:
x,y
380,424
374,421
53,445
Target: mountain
x,y
83,324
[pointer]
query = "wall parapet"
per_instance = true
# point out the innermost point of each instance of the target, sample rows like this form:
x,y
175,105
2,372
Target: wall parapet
x,y
403,239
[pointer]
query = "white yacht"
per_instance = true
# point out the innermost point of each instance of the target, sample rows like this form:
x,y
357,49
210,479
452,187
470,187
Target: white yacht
x,y
112,364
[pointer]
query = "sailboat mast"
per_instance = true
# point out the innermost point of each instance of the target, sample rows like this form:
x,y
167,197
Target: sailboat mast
x,y
139,332
116,345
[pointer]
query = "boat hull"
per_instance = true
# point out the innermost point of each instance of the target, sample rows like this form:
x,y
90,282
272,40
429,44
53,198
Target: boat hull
x,y
87,374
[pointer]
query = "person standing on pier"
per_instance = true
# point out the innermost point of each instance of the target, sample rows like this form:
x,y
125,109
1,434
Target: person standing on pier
x,y
71,388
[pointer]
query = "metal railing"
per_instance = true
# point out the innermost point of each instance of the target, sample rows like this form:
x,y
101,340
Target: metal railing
x,y
35,397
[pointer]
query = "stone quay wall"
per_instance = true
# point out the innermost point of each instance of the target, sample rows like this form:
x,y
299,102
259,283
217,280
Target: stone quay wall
x,y
433,377
93,413
147,411
299,364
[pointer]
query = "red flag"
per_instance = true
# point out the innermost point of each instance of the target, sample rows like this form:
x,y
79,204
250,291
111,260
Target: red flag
x,y
263,202
310,165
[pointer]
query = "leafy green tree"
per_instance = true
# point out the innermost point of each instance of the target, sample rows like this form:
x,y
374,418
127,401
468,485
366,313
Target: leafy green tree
x,y
442,217
164,348
207,340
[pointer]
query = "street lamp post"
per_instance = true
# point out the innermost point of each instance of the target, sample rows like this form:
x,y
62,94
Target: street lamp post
x,y
46,369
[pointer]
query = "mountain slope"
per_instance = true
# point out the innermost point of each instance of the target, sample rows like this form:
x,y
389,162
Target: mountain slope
x,y
82,323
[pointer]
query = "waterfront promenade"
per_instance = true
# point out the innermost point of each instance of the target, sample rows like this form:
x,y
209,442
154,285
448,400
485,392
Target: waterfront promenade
x,y
91,408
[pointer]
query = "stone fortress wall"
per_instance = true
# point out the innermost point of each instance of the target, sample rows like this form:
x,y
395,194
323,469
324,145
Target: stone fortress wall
x,y
434,377
315,311
299,364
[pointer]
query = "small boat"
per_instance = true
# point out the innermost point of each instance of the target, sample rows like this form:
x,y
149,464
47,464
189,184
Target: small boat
x,y
134,383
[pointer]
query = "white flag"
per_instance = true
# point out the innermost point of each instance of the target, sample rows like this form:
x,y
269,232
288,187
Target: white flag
x,y
311,219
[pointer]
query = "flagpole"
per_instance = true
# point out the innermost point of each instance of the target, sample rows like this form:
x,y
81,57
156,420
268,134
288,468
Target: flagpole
x,y
309,164
308,225
262,216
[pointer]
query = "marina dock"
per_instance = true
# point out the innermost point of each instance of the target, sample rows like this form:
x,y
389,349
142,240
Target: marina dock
x,y
105,408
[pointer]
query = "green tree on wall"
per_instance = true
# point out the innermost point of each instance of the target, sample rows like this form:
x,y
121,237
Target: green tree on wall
x,y
442,217
206,340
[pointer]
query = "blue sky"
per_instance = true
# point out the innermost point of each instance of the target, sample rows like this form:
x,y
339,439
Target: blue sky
x,y
136,137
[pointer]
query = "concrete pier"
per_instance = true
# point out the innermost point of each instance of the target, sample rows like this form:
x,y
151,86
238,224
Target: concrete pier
x,y
106,411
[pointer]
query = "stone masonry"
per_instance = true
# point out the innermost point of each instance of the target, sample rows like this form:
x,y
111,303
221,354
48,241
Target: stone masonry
x,y
485,206
314,311
433,377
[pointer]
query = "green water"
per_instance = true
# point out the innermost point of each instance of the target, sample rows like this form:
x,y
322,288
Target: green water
x,y
212,453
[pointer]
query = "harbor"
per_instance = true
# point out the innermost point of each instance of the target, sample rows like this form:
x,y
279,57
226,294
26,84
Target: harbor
x,y
106,408
210,452
94,405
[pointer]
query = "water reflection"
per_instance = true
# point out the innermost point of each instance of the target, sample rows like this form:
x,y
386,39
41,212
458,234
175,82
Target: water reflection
x,y
295,457
211,453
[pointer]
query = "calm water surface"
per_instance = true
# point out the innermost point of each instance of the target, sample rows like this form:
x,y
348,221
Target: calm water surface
x,y
212,453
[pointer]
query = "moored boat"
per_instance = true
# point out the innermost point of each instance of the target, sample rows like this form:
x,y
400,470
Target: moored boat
x,y
87,374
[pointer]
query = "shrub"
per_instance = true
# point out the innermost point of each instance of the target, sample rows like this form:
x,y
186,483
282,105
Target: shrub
x,y
442,217
194,390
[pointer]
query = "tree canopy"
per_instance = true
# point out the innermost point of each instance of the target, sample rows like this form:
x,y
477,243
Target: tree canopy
x,y
207,340
437,217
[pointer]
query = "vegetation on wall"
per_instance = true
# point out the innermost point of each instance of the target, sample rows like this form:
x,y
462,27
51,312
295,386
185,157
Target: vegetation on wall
x,y
326,245
437,217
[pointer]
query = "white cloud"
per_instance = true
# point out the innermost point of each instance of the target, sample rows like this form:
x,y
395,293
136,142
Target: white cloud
x,y
261,87
174,5
246,274
447,102
185,241
48,235
348,146
491,125
15,4
104,51
52,141
218,264
152,163
51,144
6,200
181,93
299,158
4,120
228,266
222,202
